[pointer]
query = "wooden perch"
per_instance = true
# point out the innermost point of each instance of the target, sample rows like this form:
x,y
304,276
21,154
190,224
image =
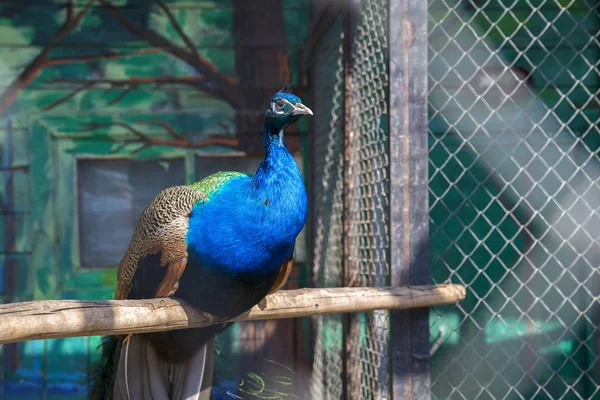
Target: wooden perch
x,y
55,319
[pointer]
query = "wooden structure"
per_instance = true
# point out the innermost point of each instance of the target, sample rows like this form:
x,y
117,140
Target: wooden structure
x,y
67,318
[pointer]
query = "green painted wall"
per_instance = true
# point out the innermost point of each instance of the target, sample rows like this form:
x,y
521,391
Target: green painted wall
x,y
137,81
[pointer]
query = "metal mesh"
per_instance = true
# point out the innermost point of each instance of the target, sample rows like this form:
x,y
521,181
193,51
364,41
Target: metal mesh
x,y
327,152
514,197
359,365
367,217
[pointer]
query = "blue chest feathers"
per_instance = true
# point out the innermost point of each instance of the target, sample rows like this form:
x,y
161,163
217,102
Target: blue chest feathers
x,y
249,225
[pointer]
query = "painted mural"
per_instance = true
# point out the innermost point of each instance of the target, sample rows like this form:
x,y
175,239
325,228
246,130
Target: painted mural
x,y
102,104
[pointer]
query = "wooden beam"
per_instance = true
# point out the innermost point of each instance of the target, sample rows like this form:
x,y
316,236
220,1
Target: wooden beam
x,y
409,207
67,318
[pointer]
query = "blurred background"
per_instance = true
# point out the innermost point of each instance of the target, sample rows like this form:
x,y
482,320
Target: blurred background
x,y
105,102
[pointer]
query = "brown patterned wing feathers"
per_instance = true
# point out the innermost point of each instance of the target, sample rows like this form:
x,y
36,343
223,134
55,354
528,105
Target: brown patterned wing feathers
x,y
162,226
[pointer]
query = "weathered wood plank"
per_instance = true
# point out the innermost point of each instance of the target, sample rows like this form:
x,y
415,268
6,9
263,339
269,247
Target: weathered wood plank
x,y
409,208
67,318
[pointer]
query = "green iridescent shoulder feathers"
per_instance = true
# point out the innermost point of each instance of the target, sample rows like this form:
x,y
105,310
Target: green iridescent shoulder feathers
x,y
212,183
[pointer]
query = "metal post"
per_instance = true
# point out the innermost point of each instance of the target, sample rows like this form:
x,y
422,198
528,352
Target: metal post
x,y
409,233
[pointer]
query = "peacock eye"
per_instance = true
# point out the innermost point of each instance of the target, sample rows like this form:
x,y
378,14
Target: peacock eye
x,y
279,105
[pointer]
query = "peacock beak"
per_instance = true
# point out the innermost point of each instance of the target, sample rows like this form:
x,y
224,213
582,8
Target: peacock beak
x,y
301,109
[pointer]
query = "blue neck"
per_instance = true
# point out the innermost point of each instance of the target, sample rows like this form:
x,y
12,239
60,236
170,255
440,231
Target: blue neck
x,y
250,231
277,160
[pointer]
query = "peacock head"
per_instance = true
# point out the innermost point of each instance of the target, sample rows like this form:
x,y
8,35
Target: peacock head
x,y
285,109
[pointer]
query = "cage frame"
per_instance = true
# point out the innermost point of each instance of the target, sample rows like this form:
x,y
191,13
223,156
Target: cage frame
x,y
408,167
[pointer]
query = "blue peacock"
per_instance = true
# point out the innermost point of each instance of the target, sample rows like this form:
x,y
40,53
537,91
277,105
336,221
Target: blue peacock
x,y
221,244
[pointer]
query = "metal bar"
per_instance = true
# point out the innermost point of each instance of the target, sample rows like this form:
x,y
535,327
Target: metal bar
x,y
409,224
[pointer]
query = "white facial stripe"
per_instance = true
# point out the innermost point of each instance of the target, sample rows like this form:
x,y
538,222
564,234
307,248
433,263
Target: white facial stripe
x,y
288,102
280,112
275,110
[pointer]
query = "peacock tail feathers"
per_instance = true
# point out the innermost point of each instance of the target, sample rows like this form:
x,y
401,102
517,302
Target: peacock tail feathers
x,y
276,384
103,374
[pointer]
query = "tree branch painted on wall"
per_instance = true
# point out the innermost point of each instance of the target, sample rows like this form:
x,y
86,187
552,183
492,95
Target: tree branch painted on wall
x,y
140,79
178,140
263,25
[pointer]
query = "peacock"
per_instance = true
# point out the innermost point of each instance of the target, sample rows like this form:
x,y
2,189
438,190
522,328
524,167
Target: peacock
x,y
221,244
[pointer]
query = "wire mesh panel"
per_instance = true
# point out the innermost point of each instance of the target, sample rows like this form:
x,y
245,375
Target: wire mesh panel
x,y
514,197
351,216
327,380
367,203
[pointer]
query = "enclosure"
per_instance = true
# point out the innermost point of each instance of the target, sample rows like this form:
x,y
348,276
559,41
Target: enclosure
x,y
452,141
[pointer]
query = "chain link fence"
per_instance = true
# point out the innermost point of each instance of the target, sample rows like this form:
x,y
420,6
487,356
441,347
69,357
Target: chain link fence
x,y
514,198
355,364
328,253
367,218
